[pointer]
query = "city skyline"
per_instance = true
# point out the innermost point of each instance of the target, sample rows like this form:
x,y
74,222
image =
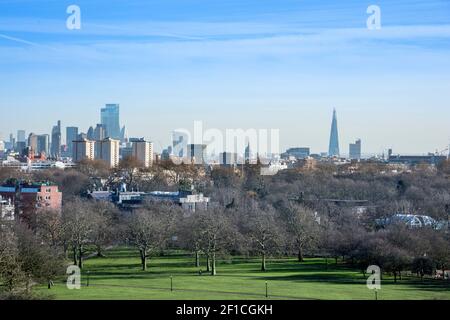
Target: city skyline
x,y
251,64
332,150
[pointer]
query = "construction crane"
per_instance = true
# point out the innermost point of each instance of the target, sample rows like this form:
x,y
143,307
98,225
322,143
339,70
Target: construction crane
x,y
443,152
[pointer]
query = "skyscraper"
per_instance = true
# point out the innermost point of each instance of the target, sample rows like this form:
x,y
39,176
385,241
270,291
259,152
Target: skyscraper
x,y
12,142
180,144
123,134
21,136
333,149
248,154
56,140
71,136
38,143
43,142
228,159
33,142
355,150
90,134
197,153
110,120
99,132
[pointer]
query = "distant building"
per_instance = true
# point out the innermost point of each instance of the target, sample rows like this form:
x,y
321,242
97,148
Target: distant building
x,y
90,134
410,220
248,154
108,151
180,144
333,150
56,141
273,168
29,198
143,152
39,144
228,159
6,210
33,142
20,147
298,153
12,142
83,150
126,150
99,132
71,136
194,202
197,153
166,153
123,134
110,121
21,136
355,150
412,160
130,200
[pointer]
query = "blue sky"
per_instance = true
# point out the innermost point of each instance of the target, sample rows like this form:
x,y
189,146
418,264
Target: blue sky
x,y
232,64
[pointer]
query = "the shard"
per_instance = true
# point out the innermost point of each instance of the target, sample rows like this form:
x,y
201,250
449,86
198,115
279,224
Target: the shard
x,y
333,149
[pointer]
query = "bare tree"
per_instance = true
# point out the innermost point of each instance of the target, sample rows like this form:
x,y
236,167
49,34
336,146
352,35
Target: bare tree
x,y
217,234
148,230
78,227
303,229
190,234
50,226
105,225
264,232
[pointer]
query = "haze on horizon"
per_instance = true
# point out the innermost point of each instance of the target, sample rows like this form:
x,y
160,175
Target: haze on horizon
x,y
232,64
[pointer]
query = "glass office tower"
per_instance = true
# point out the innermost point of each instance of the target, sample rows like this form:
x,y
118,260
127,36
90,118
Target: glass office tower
x,y
110,120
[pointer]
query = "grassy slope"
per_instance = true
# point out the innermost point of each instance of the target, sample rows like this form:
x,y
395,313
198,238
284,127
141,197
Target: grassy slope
x,y
119,277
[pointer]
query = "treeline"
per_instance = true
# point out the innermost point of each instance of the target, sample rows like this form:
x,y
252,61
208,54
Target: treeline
x,y
289,214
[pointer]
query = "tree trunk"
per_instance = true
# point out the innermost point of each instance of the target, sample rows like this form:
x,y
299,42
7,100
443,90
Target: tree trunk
x,y
300,255
100,251
213,265
208,263
80,257
65,250
143,260
197,259
263,262
75,261
395,276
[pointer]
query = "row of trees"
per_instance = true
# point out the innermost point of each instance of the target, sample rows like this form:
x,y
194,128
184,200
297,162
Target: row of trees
x,y
251,215
419,192
248,228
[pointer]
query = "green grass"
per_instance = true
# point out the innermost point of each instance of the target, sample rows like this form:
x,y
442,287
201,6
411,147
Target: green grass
x,y
119,276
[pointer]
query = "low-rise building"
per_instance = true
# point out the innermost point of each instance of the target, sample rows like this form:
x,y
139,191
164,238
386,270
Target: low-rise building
x,y
129,200
194,202
410,220
297,153
29,198
6,209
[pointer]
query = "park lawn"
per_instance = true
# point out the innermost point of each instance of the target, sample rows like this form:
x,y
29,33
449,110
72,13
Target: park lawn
x,y
119,276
